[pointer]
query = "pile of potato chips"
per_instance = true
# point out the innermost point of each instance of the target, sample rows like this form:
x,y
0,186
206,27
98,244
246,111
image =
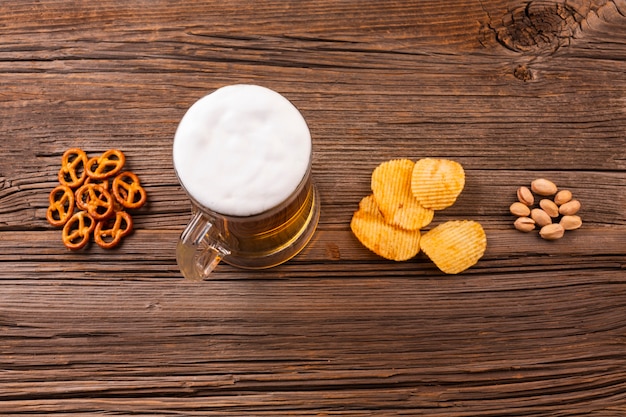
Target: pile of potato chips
x,y
405,196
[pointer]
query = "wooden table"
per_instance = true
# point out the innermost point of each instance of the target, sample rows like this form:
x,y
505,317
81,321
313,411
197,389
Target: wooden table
x,y
513,90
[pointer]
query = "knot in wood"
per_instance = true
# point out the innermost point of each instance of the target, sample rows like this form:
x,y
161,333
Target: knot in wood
x,y
539,27
523,73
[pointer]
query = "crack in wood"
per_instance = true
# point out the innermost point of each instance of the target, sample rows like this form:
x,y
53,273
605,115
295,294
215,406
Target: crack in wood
x,y
539,27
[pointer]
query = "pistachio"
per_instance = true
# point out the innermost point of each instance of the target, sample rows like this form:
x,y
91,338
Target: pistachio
x,y
552,231
543,187
549,207
524,224
540,217
525,196
519,209
571,222
562,197
570,208
554,214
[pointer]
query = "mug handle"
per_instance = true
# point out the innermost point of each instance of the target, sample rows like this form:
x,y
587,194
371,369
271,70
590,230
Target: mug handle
x,y
199,250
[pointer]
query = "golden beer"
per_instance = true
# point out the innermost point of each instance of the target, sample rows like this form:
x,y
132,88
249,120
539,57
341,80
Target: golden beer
x,y
249,179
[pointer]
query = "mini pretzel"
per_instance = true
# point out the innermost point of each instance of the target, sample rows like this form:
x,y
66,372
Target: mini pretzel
x,y
108,233
61,205
95,200
106,165
77,230
73,163
103,182
128,191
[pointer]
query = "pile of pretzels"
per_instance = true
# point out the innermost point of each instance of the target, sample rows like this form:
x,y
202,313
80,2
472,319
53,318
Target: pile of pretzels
x,y
93,198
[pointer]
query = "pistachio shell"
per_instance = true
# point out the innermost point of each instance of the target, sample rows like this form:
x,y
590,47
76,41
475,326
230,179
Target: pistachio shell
x,y
562,197
524,224
543,187
549,207
571,222
540,217
525,196
519,209
570,208
552,231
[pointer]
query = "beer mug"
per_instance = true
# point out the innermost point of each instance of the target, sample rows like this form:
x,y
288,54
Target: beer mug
x,y
243,155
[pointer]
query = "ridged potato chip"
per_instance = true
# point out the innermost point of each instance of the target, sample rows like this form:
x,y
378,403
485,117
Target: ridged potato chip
x,y
388,241
436,183
391,185
455,245
368,205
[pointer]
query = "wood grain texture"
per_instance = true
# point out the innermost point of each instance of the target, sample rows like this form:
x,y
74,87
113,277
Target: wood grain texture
x,y
513,90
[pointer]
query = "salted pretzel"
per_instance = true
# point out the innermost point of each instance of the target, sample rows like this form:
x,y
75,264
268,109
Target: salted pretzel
x,y
77,230
93,198
96,200
128,191
106,165
61,205
109,232
73,168
103,182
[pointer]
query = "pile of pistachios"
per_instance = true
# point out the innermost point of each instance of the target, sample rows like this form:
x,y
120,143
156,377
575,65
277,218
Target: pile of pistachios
x,y
555,212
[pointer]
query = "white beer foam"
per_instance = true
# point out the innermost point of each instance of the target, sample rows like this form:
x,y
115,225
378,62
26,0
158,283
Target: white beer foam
x,y
242,150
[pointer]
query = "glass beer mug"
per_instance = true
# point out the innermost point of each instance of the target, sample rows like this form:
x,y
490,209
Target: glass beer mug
x,y
243,155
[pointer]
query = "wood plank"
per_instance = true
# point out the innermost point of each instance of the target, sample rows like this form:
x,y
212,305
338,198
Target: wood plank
x,y
486,196
473,344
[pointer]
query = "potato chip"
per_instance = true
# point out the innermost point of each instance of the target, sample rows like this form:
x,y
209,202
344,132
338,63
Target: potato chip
x,y
368,205
455,245
390,242
436,183
391,185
